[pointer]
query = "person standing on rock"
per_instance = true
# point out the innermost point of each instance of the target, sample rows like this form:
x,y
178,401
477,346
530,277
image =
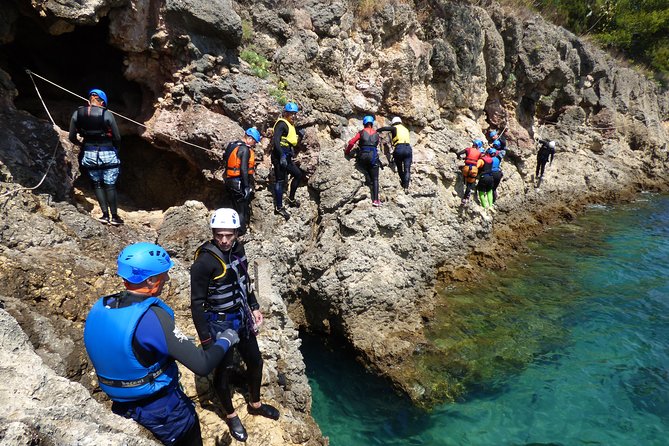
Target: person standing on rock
x,y
284,139
368,157
101,139
240,163
497,174
546,152
486,182
471,168
402,153
133,344
222,298
493,135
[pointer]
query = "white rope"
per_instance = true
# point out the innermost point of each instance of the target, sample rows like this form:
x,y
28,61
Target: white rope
x,y
118,114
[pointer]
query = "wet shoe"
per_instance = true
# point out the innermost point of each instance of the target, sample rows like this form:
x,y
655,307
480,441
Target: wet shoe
x,y
264,410
116,220
104,219
376,203
282,212
293,203
237,429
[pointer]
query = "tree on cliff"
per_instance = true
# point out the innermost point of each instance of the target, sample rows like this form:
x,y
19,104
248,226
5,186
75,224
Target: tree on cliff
x,y
637,28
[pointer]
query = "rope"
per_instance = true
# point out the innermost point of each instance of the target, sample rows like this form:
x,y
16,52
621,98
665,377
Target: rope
x,y
117,114
53,157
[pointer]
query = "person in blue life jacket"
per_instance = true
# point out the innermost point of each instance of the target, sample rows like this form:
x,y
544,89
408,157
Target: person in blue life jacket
x,y
284,139
240,161
100,146
368,155
133,344
497,174
402,153
494,135
222,298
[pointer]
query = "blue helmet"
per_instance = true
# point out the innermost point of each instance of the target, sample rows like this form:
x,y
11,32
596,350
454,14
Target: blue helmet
x,y
497,144
477,143
253,133
139,261
369,119
291,107
492,151
101,94
492,133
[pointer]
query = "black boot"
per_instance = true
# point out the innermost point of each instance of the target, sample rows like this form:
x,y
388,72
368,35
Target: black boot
x,y
102,201
282,212
237,429
264,410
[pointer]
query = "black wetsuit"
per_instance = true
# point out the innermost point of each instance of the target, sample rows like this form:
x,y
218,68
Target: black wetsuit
x,y
155,337
368,157
241,187
281,173
203,271
544,154
403,156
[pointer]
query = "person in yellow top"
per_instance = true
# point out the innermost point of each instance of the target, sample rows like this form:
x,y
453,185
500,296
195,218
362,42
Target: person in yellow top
x,y
284,140
402,153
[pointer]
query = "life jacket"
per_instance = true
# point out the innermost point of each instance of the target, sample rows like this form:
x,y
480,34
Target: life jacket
x,y
108,336
473,155
91,125
402,135
234,163
229,290
487,166
290,140
496,161
368,140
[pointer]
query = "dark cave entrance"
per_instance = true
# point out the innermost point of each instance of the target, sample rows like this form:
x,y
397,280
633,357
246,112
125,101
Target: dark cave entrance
x,y
83,59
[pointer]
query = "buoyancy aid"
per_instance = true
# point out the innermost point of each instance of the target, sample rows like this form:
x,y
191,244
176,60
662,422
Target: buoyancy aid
x,y
473,155
487,166
290,140
234,163
229,290
402,135
496,161
108,336
368,140
91,125
470,172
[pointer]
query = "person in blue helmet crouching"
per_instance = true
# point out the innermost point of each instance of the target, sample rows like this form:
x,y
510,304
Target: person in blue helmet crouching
x,y
133,345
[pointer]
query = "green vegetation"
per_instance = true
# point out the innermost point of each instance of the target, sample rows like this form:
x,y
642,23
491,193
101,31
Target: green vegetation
x,y
247,32
638,29
259,63
279,92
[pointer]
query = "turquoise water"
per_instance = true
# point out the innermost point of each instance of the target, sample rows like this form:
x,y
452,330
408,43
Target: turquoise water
x,y
606,382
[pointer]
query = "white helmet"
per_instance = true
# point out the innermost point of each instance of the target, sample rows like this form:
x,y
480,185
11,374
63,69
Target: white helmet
x,y
551,144
396,120
224,218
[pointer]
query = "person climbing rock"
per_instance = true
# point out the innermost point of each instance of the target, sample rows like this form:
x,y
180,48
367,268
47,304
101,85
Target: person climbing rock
x,y
486,182
471,168
496,169
546,152
285,138
240,162
368,155
493,136
402,153
133,345
222,298
100,146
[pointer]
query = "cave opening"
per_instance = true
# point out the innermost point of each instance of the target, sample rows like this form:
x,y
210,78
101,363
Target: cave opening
x,y
83,59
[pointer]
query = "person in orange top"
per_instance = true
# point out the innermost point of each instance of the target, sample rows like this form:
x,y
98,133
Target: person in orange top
x,y
471,168
240,167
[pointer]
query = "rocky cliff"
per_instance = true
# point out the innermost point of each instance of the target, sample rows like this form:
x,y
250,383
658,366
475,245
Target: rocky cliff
x,y
194,73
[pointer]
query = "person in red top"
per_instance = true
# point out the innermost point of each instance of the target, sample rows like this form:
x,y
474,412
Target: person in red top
x,y
471,168
368,155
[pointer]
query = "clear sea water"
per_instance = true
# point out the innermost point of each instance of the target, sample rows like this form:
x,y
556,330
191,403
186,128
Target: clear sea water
x,y
605,383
